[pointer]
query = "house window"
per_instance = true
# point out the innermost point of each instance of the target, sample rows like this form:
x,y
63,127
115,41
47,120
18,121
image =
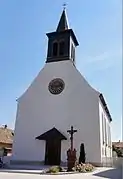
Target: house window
x,y
55,49
61,48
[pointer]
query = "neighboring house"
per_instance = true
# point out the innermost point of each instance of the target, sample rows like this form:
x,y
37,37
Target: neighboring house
x,y
118,144
6,140
117,148
58,98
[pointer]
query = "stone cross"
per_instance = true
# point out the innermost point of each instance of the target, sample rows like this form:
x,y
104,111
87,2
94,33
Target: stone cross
x,y
71,132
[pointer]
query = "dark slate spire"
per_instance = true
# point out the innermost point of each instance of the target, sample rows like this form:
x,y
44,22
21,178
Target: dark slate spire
x,y
63,24
62,42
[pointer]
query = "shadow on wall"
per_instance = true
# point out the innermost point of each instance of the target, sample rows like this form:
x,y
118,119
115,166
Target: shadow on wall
x,y
114,173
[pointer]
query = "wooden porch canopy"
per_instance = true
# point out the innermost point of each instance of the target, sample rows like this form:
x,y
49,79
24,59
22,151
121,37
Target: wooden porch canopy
x,y
51,134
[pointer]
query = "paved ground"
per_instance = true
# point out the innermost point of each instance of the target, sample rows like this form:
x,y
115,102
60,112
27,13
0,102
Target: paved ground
x,y
101,173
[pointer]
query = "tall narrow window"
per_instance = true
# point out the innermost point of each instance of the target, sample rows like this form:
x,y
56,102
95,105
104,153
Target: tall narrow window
x,y
103,131
109,136
72,52
61,48
55,49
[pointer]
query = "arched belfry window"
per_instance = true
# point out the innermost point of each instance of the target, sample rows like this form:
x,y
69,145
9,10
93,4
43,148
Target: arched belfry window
x,y
55,49
61,48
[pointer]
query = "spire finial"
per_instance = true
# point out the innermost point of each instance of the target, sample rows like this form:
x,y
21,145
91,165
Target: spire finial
x,y
63,23
64,6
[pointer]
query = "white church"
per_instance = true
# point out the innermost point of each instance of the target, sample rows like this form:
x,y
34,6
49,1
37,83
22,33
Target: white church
x,y
58,98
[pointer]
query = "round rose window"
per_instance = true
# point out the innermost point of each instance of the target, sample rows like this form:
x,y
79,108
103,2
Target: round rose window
x,y
56,86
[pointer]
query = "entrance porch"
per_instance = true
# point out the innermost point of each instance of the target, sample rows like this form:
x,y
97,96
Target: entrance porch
x,y
53,140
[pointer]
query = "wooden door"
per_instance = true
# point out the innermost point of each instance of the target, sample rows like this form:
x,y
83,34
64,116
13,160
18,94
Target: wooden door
x,y
53,152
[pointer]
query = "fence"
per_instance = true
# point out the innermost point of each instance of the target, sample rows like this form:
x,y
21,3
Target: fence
x,y
113,162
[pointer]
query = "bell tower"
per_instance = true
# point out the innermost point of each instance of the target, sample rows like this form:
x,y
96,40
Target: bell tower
x,y
62,42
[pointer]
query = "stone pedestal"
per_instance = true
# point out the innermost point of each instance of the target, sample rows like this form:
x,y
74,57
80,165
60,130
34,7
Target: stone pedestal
x,y
71,159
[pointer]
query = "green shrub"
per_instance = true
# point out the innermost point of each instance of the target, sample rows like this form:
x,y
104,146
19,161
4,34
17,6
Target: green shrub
x,y
54,169
83,168
89,167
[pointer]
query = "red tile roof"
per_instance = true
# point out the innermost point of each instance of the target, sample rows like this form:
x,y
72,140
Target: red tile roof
x,y
118,144
6,135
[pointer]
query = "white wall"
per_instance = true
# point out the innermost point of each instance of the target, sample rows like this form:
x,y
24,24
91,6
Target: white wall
x,y
38,111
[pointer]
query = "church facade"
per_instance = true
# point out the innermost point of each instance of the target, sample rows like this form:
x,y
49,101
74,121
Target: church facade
x,y
58,98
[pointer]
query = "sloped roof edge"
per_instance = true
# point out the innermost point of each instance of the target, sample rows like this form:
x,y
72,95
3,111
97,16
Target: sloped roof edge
x,y
105,106
50,134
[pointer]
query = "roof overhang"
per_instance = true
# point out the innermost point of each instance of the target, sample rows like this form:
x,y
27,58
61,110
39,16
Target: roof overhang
x,y
51,134
105,106
70,31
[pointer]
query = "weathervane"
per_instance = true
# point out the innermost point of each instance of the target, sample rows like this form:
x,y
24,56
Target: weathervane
x,y
64,6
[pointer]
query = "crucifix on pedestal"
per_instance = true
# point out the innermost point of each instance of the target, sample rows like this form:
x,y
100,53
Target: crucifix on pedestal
x,y
71,132
71,153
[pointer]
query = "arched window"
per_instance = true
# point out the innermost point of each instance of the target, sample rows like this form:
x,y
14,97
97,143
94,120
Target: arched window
x,y
55,49
61,48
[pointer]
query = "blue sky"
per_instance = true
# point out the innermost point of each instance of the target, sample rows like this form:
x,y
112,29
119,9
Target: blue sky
x,y
23,47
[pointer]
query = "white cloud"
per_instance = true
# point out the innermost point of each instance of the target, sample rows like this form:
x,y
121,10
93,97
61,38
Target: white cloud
x,y
98,58
102,61
106,57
